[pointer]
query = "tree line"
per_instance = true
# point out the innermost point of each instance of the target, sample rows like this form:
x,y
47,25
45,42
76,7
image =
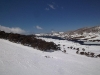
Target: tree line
x,y
29,40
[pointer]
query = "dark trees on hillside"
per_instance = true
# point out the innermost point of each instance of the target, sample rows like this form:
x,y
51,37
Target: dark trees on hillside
x,y
29,40
3,35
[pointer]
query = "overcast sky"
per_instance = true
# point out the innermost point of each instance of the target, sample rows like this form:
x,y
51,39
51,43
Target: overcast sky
x,y
35,16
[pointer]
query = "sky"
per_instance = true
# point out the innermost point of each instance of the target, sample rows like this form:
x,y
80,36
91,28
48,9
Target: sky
x,y
44,16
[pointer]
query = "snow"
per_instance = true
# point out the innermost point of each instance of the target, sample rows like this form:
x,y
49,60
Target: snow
x,y
16,59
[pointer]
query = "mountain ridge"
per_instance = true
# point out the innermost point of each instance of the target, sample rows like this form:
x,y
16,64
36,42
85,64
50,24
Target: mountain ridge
x,y
81,33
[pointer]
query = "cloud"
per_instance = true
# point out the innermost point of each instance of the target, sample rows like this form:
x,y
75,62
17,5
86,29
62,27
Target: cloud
x,y
12,30
51,6
47,9
38,27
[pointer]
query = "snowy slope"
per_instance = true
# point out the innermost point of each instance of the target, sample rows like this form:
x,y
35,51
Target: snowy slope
x,y
16,59
84,33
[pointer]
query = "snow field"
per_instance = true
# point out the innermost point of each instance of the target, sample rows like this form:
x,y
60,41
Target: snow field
x,y
16,59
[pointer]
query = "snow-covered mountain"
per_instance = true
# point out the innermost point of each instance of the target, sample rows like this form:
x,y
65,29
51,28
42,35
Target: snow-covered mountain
x,y
82,33
72,59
